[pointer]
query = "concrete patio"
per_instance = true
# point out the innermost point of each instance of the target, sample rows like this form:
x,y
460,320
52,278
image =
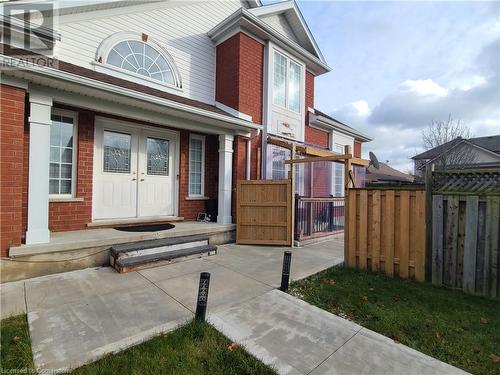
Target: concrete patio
x,y
77,317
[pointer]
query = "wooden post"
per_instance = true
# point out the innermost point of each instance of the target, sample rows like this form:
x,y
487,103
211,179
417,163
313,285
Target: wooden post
x,y
428,222
347,185
291,176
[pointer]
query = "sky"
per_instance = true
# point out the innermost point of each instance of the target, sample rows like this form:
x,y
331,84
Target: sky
x,y
397,66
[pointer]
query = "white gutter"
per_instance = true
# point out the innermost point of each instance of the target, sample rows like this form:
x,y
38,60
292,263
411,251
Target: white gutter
x,y
95,84
327,123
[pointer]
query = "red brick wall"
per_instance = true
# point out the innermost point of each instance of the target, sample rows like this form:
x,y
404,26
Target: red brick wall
x,y
313,136
227,72
239,85
240,75
64,216
357,149
12,118
189,209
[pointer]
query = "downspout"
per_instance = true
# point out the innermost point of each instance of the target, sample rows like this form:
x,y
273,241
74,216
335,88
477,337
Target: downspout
x,y
249,155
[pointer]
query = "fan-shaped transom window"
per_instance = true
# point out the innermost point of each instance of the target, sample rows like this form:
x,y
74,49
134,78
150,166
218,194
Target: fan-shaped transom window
x,y
140,58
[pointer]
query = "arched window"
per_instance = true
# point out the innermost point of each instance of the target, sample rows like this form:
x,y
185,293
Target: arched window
x,y
141,58
132,55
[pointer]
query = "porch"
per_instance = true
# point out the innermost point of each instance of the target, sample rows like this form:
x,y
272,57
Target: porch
x,y
67,251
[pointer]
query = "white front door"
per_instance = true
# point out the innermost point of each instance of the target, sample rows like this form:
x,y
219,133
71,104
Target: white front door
x,y
134,172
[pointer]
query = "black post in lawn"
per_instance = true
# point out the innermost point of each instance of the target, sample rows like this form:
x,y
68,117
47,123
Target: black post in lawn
x,y
285,274
201,303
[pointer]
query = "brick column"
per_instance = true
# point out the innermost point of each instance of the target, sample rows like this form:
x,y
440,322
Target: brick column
x,y
12,117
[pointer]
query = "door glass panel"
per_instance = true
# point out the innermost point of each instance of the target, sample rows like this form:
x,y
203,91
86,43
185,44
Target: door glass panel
x,y
117,149
157,156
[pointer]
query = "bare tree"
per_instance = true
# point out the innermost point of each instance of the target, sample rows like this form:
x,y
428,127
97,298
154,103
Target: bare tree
x,y
439,133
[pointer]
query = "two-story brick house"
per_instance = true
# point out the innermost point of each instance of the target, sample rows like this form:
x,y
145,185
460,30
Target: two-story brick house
x,y
153,108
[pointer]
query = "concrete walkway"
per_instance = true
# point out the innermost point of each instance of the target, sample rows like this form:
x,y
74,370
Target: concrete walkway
x,y
77,317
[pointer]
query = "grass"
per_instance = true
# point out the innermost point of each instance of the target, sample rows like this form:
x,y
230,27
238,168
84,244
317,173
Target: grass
x,y
196,348
15,349
454,327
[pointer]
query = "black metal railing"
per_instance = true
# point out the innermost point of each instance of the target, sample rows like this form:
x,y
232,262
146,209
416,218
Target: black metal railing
x,y
316,217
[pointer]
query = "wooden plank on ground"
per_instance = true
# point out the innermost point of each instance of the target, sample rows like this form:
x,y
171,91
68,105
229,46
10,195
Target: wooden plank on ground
x,y
389,232
363,228
404,233
375,230
470,248
420,236
437,239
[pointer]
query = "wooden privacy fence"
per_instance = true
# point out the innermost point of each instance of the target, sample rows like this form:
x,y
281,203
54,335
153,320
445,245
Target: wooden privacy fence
x,y
385,231
264,212
465,243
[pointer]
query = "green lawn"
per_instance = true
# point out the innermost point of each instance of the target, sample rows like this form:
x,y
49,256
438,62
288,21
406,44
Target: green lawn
x,y
460,329
196,348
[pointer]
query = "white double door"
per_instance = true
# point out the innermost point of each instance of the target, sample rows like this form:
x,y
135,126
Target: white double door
x,y
134,172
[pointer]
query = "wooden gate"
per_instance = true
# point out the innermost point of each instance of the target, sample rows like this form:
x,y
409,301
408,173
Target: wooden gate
x,y
264,212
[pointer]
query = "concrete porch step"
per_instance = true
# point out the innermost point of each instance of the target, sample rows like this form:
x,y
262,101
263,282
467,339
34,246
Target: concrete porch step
x,y
152,253
135,263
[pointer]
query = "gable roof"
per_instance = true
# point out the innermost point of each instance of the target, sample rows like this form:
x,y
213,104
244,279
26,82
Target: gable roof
x,y
327,122
386,173
489,143
244,19
291,12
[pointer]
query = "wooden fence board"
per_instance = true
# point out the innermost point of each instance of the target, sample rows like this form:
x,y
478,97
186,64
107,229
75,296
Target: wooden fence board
x,y
363,228
404,235
469,274
420,230
437,240
450,272
494,245
351,234
375,231
389,232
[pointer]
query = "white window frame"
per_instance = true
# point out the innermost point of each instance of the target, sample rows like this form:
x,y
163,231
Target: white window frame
x,y
202,192
338,148
109,43
74,161
289,61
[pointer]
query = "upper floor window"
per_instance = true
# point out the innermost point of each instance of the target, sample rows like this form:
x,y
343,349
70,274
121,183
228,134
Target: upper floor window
x,y
141,58
137,57
286,82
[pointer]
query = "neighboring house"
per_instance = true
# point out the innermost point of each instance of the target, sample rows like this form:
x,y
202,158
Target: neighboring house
x,y
460,152
153,108
386,175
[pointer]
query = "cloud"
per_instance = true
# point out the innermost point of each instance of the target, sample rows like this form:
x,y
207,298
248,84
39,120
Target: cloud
x,y
396,121
415,103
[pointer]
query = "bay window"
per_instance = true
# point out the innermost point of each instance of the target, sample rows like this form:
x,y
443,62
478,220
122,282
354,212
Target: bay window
x,y
287,77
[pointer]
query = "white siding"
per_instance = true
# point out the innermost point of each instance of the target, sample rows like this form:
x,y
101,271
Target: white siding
x,y
280,24
180,27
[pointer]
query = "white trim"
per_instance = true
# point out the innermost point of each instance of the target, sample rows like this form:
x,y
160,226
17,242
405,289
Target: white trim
x,y
105,123
246,20
38,170
74,162
325,123
233,111
285,7
133,77
111,41
226,121
225,179
202,139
